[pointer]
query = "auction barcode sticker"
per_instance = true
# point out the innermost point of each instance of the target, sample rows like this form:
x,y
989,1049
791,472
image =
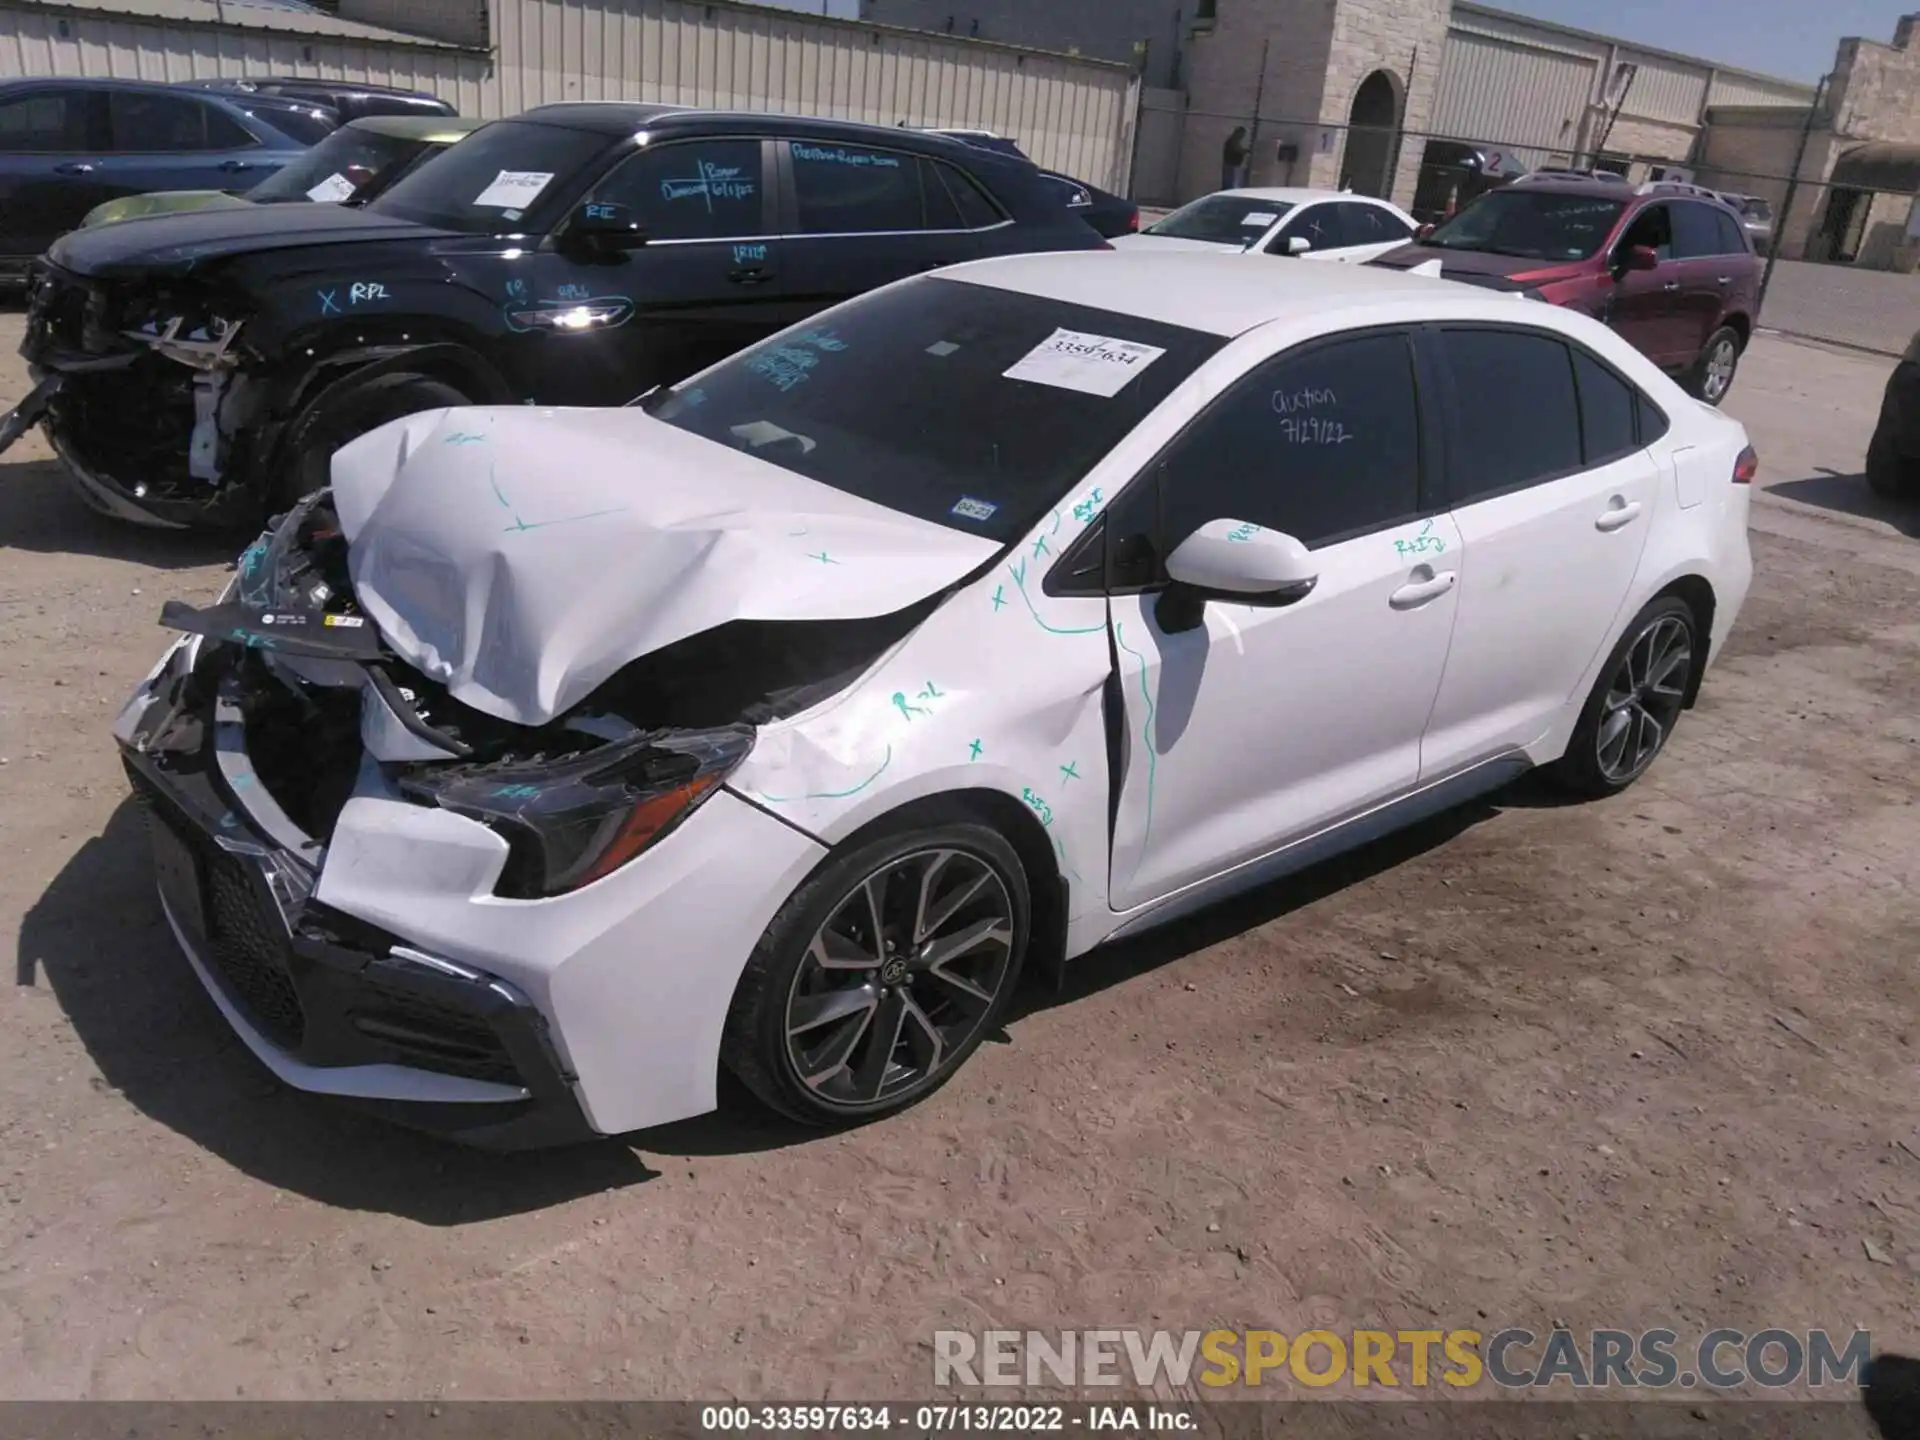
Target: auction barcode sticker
x,y
1092,364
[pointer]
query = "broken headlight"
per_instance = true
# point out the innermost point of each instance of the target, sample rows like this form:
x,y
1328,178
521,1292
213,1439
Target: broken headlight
x,y
573,821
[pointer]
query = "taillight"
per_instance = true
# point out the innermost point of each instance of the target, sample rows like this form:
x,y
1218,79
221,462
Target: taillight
x,y
1746,467
1133,222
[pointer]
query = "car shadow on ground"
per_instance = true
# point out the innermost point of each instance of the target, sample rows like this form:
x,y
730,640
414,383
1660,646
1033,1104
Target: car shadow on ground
x,y
40,511
1850,495
97,938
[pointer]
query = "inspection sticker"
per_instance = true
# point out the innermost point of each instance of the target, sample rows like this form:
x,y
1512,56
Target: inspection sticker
x,y
1092,364
514,188
969,508
350,622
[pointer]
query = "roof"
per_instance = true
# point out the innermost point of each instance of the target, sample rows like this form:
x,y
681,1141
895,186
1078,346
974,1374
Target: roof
x,y
284,16
616,118
430,129
1295,195
1217,293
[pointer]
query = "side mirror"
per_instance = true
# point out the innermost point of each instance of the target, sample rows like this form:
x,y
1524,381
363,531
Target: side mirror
x,y
1424,231
605,229
1298,245
1641,257
1235,562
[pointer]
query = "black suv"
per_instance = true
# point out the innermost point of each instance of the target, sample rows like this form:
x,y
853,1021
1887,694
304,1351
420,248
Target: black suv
x,y
199,368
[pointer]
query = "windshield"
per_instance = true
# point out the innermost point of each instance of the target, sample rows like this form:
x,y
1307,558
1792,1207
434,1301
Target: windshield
x,y
1223,219
307,125
488,182
971,407
1534,224
341,165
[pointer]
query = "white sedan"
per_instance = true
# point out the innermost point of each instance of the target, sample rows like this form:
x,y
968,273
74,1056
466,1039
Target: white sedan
x,y
554,760
1317,224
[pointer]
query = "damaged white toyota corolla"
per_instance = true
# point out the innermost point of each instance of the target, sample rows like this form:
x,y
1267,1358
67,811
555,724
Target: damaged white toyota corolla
x,y
552,760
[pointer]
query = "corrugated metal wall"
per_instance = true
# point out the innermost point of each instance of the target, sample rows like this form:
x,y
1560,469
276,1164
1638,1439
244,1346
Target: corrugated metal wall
x,y
1069,114
1524,98
1734,89
36,41
1664,89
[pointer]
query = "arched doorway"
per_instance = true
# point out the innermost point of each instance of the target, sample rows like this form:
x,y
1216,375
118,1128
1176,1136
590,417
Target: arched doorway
x,y
1373,139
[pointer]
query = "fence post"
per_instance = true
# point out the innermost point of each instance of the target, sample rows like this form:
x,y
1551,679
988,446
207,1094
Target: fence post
x,y
1793,190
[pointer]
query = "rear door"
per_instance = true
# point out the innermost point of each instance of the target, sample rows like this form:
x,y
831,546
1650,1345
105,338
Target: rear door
x,y
859,216
1553,492
1706,270
1370,231
1318,224
49,168
704,285
177,142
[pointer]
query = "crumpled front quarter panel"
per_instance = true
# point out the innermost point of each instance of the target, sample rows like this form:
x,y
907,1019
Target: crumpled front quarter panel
x,y
1000,689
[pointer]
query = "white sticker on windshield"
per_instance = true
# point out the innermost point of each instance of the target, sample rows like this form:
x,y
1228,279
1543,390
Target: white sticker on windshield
x,y
513,189
1091,364
332,189
1258,217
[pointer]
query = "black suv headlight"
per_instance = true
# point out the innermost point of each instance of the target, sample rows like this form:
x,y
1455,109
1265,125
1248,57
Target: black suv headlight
x,y
572,821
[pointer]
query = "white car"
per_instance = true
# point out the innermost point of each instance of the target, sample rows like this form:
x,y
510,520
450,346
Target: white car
x,y
1318,224
554,759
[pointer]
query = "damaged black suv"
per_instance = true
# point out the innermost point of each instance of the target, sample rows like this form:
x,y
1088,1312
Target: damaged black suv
x,y
202,368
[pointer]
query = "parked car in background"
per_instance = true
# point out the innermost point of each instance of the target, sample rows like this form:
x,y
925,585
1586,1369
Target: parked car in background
x,y
1756,218
1315,224
1454,174
68,145
775,726
1666,265
1112,215
355,163
1893,457
348,101
201,368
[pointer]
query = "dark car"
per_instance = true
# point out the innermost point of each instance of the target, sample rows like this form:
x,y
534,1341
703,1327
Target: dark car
x,y
201,367
1112,215
1893,457
348,101
68,145
1668,266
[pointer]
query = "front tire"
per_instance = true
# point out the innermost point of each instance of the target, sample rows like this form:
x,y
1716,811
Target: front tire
x,y
1889,473
1635,703
1713,372
881,975
332,423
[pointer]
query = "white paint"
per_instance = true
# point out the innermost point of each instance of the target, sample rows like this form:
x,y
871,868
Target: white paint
x,y
1091,364
1294,209
333,189
513,190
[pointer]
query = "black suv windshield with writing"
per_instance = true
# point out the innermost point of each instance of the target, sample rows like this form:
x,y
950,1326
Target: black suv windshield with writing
x,y
1223,219
486,184
1533,224
974,408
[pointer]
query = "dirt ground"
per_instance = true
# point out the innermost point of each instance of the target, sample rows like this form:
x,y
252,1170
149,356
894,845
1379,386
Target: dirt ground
x,y
1654,1061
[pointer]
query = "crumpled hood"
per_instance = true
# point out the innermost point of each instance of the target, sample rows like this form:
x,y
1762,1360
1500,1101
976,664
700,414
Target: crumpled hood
x,y
522,556
176,243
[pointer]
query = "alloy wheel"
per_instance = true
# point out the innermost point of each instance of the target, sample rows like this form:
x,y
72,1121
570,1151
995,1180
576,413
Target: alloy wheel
x,y
1718,379
897,980
1644,699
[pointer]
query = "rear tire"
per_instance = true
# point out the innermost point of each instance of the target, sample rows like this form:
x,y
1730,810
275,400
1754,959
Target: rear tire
x,y
1635,703
1889,473
329,424
1712,374
831,1025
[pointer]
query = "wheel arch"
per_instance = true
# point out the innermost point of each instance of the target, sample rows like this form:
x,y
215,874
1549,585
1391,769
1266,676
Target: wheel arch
x,y
1696,592
1740,324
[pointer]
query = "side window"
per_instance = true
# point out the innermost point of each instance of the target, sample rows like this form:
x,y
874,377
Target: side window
x,y
696,190
1515,418
943,212
226,133
1696,234
977,212
1318,225
851,189
1653,422
1733,239
1322,443
1371,225
158,124
47,122
1607,427
1653,228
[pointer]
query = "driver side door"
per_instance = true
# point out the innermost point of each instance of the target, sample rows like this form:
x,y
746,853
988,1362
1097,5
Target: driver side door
x,y
1262,725
1646,304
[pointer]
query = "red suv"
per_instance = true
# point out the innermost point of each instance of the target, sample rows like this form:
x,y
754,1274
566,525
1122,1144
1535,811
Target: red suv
x,y
1668,266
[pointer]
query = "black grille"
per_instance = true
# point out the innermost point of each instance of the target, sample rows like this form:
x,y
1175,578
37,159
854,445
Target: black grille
x,y
248,950
434,1036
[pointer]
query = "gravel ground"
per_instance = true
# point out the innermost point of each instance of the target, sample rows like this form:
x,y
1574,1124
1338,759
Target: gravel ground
x,y
1645,1062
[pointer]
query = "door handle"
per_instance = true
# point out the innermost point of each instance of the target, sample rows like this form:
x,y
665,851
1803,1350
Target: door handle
x,y
1419,592
1671,286
1615,516
73,167
1726,279
232,165
753,275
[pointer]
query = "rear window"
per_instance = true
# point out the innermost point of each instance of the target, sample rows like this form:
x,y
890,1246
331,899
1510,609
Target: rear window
x,y
1532,224
1222,219
970,407
339,167
489,181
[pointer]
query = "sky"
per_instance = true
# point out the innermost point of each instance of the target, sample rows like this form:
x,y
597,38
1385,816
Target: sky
x,y
1790,38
